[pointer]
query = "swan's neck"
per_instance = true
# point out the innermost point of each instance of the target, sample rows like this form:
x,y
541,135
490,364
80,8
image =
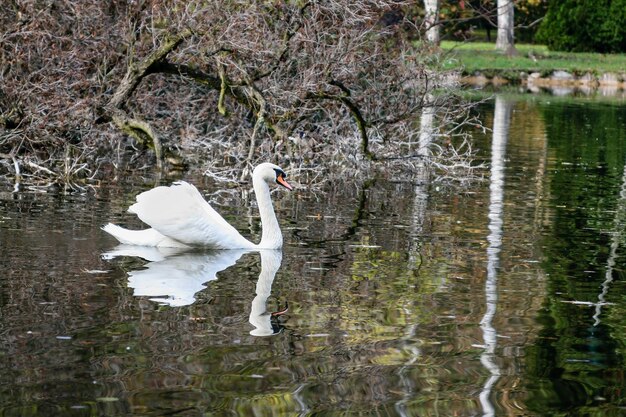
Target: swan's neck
x,y
271,237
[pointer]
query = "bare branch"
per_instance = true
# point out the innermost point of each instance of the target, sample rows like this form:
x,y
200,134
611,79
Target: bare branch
x,y
136,72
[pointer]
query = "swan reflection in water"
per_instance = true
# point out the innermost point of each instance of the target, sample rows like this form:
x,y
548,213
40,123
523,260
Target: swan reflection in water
x,y
174,276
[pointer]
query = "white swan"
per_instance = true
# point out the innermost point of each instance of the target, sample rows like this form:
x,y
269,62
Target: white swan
x,y
180,217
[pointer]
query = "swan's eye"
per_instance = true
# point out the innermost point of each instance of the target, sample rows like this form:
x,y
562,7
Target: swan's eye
x,y
280,174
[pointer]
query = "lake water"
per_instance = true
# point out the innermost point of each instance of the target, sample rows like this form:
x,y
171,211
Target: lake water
x,y
403,299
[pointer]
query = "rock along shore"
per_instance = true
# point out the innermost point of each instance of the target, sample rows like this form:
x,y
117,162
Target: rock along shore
x,y
558,82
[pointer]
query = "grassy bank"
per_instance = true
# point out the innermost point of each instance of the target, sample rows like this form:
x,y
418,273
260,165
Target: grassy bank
x,y
482,57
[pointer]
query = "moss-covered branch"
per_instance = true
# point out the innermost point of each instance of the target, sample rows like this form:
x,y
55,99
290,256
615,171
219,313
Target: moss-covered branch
x,y
140,130
138,70
223,86
356,114
246,95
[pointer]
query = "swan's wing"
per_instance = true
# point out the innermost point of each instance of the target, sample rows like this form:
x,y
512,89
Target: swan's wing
x,y
147,237
180,212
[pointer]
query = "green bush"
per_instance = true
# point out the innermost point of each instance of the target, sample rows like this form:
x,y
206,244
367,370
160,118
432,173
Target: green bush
x,y
584,26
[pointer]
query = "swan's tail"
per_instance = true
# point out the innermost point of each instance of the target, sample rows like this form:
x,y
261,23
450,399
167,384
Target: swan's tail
x,y
148,237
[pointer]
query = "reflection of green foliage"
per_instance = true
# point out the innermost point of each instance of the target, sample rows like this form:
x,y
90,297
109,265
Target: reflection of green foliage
x,y
616,315
391,273
392,269
572,357
584,189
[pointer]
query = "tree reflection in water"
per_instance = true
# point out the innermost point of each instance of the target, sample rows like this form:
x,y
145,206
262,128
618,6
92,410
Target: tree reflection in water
x,y
501,122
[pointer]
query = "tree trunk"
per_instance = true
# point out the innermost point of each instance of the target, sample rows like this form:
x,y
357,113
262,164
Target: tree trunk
x,y
505,41
427,129
431,20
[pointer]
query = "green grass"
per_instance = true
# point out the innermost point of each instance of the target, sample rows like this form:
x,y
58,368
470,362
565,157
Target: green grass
x,y
482,57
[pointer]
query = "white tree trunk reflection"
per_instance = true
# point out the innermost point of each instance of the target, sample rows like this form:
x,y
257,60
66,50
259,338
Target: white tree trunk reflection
x,y
418,214
501,122
618,233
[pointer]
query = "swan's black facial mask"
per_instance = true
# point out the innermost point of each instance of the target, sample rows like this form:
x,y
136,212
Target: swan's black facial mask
x,y
281,179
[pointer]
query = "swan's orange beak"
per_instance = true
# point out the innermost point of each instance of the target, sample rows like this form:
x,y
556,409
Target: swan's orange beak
x,y
282,181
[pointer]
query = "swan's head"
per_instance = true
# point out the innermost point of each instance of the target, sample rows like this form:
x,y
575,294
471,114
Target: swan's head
x,y
271,173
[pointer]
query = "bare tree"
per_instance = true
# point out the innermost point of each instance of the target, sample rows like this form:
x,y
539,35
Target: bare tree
x,y
312,82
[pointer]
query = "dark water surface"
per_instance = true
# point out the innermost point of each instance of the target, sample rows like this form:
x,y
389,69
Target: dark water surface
x,y
403,298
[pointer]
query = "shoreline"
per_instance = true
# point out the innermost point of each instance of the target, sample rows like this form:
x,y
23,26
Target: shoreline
x,y
558,82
